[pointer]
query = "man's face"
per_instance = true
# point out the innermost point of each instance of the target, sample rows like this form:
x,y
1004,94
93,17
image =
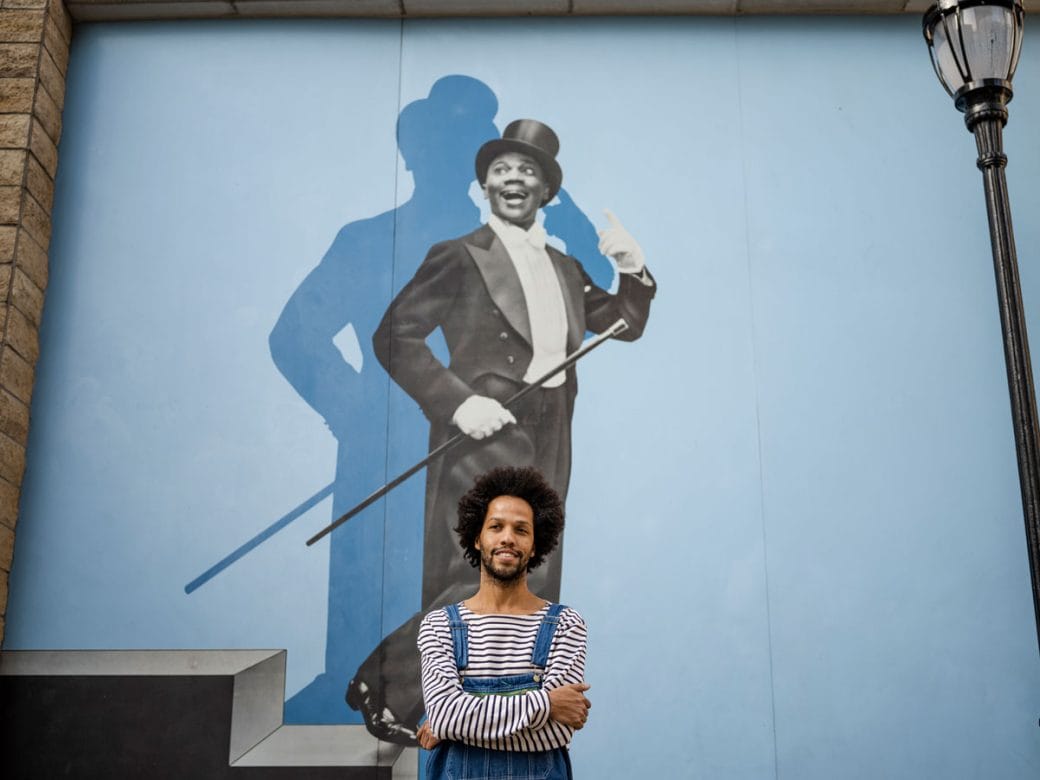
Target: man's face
x,y
515,186
506,540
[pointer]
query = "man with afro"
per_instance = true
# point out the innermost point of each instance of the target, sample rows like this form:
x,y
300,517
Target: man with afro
x,y
503,671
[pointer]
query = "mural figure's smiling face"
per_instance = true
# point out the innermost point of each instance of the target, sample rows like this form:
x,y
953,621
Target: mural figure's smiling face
x,y
515,186
506,540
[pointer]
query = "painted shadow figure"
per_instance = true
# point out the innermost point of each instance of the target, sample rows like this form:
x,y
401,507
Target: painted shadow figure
x,y
367,264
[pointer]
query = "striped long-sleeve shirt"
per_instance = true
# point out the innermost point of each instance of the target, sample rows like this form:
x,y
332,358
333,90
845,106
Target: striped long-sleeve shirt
x,y
499,645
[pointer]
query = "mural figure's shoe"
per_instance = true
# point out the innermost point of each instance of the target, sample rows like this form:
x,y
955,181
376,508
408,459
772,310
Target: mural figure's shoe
x,y
380,720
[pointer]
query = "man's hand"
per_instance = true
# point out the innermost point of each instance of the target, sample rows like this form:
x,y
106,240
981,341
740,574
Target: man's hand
x,y
618,243
426,739
479,416
568,705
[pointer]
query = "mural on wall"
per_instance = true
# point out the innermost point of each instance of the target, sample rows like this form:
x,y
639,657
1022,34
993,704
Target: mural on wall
x,y
272,285
506,313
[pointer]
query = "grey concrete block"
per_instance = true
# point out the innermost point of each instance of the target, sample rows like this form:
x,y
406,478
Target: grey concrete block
x,y
172,713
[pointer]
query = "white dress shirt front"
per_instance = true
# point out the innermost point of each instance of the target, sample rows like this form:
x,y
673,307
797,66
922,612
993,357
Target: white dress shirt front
x,y
546,310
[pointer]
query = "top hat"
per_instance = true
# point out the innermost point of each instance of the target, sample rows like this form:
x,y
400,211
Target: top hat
x,y
530,137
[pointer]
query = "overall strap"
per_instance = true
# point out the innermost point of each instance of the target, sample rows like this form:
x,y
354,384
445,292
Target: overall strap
x,y
459,634
546,631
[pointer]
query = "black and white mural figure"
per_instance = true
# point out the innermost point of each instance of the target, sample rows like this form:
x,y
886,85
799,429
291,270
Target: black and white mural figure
x,y
510,308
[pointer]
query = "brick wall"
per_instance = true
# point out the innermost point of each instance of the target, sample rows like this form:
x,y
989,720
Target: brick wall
x,y
34,50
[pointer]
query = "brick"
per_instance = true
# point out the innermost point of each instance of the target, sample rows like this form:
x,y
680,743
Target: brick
x,y
14,418
3,589
14,131
54,43
36,221
6,274
21,336
12,166
12,468
43,147
10,203
47,111
8,234
9,496
60,14
22,26
25,3
18,60
39,184
6,547
26,296
52,80
16,95
31,259
16,375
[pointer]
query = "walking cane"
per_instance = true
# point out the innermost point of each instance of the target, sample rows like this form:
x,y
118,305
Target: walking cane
x,y
242,550
618,327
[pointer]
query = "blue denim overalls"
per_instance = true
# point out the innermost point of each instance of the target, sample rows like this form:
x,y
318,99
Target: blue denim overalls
x,y
458,761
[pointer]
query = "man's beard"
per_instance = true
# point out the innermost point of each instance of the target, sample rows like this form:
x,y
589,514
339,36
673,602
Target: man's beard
x,y
505,576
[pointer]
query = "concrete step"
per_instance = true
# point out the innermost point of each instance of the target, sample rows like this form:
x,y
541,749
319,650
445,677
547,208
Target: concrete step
x,y
172,714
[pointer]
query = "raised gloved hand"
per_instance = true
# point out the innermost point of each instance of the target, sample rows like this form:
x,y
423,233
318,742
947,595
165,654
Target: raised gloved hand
x,y
616,242
479,416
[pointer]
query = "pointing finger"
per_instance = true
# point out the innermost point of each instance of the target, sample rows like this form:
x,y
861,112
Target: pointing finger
x,y
614,221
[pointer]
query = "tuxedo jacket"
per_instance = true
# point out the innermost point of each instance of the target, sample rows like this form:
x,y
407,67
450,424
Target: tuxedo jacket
x,y
469,288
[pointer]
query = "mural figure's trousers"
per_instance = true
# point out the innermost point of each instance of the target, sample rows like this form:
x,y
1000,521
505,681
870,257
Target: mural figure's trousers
x,y
540,438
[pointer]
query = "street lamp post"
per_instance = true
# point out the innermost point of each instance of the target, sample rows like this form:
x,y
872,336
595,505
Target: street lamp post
x,y
975,46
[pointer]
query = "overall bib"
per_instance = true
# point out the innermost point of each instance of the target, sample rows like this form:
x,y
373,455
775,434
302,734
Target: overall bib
x,y
458,761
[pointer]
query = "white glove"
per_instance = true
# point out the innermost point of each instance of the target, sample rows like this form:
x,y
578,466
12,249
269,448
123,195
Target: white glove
x,y
479,416
616,242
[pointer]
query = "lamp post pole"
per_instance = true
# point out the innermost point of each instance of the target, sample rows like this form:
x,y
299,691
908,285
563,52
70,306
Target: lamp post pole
x,y
988,125
974,46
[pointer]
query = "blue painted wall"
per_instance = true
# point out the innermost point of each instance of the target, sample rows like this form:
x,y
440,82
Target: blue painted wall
x,y
794,523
